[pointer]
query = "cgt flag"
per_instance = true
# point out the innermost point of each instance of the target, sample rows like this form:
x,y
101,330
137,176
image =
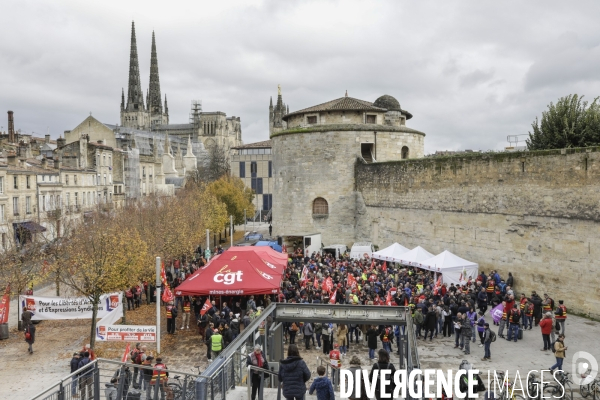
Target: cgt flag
x,y
5,306
167,296
126,354
333,297
207,306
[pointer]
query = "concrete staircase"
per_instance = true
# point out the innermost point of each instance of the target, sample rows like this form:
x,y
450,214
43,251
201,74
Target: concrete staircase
x,y
241,393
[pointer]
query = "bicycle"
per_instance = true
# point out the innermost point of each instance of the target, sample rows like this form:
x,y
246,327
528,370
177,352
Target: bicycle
x,y
554,390
534,386
507,393
177,387
592,387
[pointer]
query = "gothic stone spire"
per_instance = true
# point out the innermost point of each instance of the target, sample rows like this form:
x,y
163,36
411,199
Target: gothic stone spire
x,y
122,99
155,99
135,95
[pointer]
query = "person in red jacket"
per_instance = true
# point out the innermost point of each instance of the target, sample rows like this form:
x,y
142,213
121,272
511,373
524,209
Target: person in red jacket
x,y
546,325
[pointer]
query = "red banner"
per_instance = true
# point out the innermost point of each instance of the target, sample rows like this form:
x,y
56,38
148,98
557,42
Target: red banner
x,y
384,268
207,306
329,284
5,306
332,298
388,299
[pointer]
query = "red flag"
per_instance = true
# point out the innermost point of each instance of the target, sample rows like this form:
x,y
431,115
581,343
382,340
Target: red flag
x,y
384,268
163,275
372,265
5,306
207,306
388,300
316,283
167,296
332,298
351,281
329,284
126,354
304,276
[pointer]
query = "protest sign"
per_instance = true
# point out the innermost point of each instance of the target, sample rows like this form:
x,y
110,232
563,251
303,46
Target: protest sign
x,y
48,308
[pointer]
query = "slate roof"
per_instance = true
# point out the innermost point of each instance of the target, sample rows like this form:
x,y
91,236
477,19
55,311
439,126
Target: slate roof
x,y
341,104
258,145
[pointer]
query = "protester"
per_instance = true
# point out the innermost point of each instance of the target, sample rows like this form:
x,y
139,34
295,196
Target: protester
x,y
30,336
74,366
216,343
160,376
322,385
85,377
294,374
383,364
561,316
488,338
257,358
371,337
559,352
546,327
355,365
26,316
307,331
342,339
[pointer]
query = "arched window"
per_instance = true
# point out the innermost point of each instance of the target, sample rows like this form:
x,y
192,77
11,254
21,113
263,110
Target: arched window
x,y
320,206
404,152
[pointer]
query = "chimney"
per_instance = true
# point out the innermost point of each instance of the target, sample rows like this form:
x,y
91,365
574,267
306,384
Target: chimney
x,y
60,142
11,127
44,163
47,139
57,163
11,159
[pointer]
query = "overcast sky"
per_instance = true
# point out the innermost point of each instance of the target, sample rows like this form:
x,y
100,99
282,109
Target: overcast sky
x,y
470,72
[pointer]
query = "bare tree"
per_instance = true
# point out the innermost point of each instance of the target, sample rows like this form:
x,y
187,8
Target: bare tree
x,y
216,167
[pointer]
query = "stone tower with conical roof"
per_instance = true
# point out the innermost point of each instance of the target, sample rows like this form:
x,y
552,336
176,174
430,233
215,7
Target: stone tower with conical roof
x,y
133,113
155,106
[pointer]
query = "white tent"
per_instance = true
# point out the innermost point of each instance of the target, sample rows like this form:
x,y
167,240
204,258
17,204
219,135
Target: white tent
x,y
415,256
391,253
453,268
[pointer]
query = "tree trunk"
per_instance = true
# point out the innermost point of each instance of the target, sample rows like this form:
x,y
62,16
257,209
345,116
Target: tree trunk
x,y
148,295
57,283
95,302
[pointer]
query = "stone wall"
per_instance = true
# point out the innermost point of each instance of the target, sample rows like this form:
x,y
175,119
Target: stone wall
x,y
535,214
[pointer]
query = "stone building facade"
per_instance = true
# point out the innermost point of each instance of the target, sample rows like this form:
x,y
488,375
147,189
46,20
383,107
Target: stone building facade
x,y
535,214
315,158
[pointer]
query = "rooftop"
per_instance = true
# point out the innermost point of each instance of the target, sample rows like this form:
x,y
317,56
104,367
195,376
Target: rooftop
x,y
342,104
258,145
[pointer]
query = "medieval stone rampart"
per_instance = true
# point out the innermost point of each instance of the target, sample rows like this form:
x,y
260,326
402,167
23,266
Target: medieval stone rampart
x,y
535,214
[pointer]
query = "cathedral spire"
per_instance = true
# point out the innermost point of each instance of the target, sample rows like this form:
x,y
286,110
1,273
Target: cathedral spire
x,y
122,99
135,95
155,98
271,103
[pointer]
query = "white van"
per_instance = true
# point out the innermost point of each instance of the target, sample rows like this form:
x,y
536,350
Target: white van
x,y
336,250
361,250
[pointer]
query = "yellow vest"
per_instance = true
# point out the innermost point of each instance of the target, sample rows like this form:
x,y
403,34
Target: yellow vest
x,y
216,342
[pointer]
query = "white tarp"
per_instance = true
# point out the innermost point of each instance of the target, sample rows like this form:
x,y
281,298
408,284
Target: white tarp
x,y
69,307
391,253
453,268
415,256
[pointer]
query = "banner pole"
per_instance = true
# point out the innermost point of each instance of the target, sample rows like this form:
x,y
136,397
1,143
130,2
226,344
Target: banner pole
x,y
231,229
157,305
207,242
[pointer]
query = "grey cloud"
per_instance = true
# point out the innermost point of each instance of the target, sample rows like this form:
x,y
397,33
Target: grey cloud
x,y
471,73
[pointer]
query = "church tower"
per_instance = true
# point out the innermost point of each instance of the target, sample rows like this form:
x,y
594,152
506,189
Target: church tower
x,y
276,114
155,106
134,114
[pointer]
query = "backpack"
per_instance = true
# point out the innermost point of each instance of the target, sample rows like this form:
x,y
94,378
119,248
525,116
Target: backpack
x,y
138,358
134,356
174,312
492,336
552,303
294,327
481,322
554,346
558,311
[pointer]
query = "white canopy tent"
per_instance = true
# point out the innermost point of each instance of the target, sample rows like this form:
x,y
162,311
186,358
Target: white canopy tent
x,y
415,256
391,253
453,268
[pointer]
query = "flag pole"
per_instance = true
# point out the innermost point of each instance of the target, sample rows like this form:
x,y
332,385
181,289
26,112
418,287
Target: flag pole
x,y
157,305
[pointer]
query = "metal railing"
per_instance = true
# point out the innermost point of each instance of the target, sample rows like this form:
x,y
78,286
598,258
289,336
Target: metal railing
x,y
112,380
229,370
262,381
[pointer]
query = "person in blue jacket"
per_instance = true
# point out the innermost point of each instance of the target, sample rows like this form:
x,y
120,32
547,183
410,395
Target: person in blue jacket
x,y
293,374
